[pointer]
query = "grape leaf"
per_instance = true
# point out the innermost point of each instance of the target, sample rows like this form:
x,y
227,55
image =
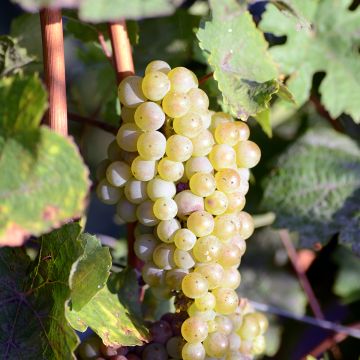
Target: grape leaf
x,y
44,181
12,56
322,38
89,272
112,314
311,182
237,52
32,297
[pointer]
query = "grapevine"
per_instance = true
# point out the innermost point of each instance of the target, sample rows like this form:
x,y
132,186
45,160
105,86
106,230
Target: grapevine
x,y
181,171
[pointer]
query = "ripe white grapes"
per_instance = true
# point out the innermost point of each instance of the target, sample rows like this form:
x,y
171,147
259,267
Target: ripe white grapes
x,y
182,172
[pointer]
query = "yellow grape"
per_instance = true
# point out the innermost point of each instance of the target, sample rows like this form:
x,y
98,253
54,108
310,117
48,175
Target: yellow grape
x,y
225,227
176,104
227,133
170,170
259,345
193,351
143,170
179,148
222,156
216,203
246,225
216,344
236,202
187,203
157,65
166,230
118,173
189,125
165,208
231,278
198,99
227,180
155,85
198,164
207,249
184,239
151,145
130,92
226,300
163,256
219,118
247,154
202,184
194,285
201,223
212,272
250,327
203,143
206,302
183,259
149,116
230,255
194,330
243,130
127,136
182,79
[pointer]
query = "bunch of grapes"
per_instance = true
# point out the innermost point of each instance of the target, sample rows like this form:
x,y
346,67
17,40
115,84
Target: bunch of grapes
x,y
182,172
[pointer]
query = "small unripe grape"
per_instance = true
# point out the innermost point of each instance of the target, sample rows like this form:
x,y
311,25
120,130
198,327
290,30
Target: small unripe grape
x,y
226,300
184,239
107,193
127,114
174,277
216,344
198,99
163,256
144,246
198,164
227,180
227,133
225,227
151,145
193,351
130,92
118,173
154,351
126,211
143,170
157,65
179,148
208,315
212,272
187,203
161,292
176,104
183,259
127,136
155,85
170,170
152,275
145,213
158,188
219,118
189,125
250,327
216,203
230,255
259,345
194,285
149,116
182,79
231,278
201,223
262,321
246,225
166,230
247,154
203,143
236,202
207,249
206,302
174,346
202,184
165,208
135,191
222,156
194,330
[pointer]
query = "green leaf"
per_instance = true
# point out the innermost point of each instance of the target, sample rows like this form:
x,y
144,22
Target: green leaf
x,y
32,312
311,182
237,52
322,38
44,182
110,314
263,118
12,56
90,271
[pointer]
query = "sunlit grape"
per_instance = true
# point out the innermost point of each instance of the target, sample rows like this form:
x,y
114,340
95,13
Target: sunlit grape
x,y
202,184
227,180
250,327
170,170
219,118
236,202
155,85
216,344
176,104
157,65
166,230
226,300
182,79
227,133
203,143
201,223
230,255
212,272
143,170
222,156
184,239
198,99
207,249
183,259
149,116
205,302
151,145
194,285
247,154
158,188
216,203
198,164
193,351
165,208
189,125
179,148
231,278
194,330
163,256
246,224
259,345
225,227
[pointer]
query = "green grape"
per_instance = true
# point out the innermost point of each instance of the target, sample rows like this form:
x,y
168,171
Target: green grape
x,y
246,347
149,116
231,278
207,249
234,355
183,259
161,293
247,154
194,330
189,125
201,223
203,143
227,133
101,169
212,272
239,242
166,230
155,85
259,345
118,173
198,164
222,156
176,104
224,227
143,170
224,325
107,193
219,118
157,65
163,256
206,302
202,184
170,170
243,130
130,92
193,351
144,246
230,255
158,188
249,328
187,203
135,191
246,225
174,277
152,275
216,344
194,285
198,99
127,114
127,136
114,152
262,321
165,208
126,211
182,79
207,315
234,342
145,213
226,300
236,202
206,117
184,239
179,148
174,346
211,326
227,180
216,203
151,145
